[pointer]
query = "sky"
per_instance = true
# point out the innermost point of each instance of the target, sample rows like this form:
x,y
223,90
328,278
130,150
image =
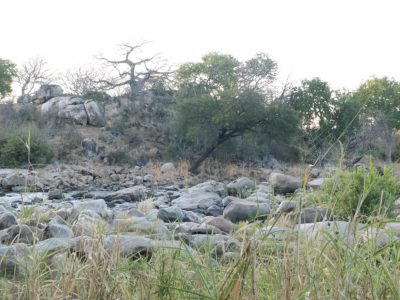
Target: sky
x,y
343,42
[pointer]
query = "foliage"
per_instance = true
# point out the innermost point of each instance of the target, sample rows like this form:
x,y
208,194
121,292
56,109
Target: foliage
x,y
7,73
380,102
370,190
14,152
119,157
220,98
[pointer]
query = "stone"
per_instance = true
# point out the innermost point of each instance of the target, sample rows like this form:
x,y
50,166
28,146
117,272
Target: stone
x,y
95,113
52,246
98,206
11,258
312,215
7,219
242,210
195,228
221,223
89,147
316,183
54,230
46,92
210,186
128,246
21,234
197,200
319,230
171,214
287,206
134,194
240,185
284,184
74,113
55,194
217,243
18,178
228,199
168,167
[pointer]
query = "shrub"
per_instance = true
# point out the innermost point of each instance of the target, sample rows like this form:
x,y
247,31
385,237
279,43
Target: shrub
x,y
371,190
14,150
119,157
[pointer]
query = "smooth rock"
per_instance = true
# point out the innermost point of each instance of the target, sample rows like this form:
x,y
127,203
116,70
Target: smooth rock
x,y
242,210
284,184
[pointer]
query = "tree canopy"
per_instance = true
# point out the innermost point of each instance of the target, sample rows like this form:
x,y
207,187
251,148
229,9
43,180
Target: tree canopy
x,y
7,74
221,98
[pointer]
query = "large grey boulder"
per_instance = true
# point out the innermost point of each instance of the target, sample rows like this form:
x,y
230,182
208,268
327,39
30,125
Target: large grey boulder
x,y
7,219
128,246
46,92
325,230
54,230
284,184
95,114
240,185
315,214
197,200
242,210
134,193
18,178
98,206
74,113
171,214
217,243
221,223
21,234
211,186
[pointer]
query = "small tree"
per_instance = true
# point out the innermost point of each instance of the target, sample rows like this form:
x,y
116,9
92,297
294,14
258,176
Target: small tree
x,y
82,80
380,101
7,74
132,71
216,103
31,74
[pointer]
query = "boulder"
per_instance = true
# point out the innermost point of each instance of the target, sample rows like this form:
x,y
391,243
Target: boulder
x,y
217,243
195,228
74,113
315,183
7,219
89,147
54,230
284,184
46,92
54,194
128,246
18,179
211,186
325,229
317,214
21,234
287,206
171,214
168,167
220,223
95,114
197,200
98,206
242,210
134,193
240,185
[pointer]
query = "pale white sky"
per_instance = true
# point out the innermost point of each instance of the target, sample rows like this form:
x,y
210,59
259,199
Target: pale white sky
x,y
341,41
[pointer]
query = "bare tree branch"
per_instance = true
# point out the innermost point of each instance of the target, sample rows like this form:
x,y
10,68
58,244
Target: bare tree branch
x,y
32,73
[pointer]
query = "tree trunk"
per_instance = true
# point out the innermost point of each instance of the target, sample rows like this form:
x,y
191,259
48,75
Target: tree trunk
x,y
388,146
221,139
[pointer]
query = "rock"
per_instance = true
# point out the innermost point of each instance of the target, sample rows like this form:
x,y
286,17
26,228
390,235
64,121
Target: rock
x,y
74,113
54,230
228,199
274,232
18,178
217,243
393,228
98,206
134,193
95,113
287,206
316,183
191,216
284,184
240,185
148,178
324,230
12,259
139,226
21,234
242,210
195,228
171,214
55,194
214,210
7,219
210,186
168,167
128,246
312,215
46,92
89,147
221,223
197,200
52,246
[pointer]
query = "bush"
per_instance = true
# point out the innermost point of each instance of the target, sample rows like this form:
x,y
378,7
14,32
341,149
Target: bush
x,y
373,190
14,150
119,157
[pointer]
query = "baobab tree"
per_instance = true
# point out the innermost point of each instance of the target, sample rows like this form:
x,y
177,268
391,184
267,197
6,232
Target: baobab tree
x,y
133,71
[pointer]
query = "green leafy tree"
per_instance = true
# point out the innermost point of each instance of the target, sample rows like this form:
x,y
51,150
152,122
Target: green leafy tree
x,y
7,74
221,98
380,102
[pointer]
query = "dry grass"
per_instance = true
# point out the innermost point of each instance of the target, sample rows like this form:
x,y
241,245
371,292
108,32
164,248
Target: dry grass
x,y
146,205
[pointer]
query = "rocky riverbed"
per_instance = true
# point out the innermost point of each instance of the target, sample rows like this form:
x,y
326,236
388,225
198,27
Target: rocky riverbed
x,y
75,210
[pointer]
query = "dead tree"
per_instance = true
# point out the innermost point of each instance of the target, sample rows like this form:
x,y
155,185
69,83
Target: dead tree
x,y
82,80
134,72
33,73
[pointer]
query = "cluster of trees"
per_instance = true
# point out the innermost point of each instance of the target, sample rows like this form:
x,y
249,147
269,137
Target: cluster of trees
x,y
222,101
